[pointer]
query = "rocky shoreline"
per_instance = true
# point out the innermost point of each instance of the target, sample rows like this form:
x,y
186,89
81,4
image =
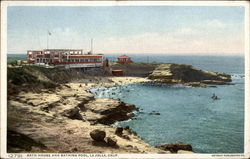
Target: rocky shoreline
x,y
62,118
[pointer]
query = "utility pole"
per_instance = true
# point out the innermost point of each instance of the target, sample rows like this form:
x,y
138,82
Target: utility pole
x,y
47,40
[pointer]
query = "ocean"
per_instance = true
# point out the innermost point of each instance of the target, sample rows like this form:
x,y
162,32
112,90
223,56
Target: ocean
x,y
188,114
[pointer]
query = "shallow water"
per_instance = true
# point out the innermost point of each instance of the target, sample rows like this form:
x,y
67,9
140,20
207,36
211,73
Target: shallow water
x,y
186,115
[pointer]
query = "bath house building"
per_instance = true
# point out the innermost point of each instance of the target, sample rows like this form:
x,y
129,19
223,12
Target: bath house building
x,y
67,58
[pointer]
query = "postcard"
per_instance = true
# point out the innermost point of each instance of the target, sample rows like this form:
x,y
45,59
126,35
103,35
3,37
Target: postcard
x,y
125,79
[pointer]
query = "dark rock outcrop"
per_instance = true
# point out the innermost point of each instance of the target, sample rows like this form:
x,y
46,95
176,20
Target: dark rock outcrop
x,y
111,141
154,113
186,74
118,131
130,131
98,135
108,111
175,147
120,113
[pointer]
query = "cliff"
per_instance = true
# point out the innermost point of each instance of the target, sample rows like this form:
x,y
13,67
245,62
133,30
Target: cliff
x,y
186,74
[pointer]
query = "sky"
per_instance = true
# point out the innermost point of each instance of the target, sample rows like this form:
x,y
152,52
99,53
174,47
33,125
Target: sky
x,y
127,29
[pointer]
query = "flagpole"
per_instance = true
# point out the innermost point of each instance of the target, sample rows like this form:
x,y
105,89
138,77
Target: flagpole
x,y
47,40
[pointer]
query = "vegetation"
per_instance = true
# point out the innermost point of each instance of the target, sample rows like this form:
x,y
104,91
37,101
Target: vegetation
x,y
33,78
17,142
13,60
25,74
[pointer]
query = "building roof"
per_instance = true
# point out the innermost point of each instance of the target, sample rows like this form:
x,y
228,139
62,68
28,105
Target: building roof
x,y
123,57
62,49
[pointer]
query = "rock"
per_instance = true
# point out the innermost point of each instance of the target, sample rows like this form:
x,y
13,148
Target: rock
x,y
216,82
127,128
130,131
130,115
196,84
125,137
92,122
154,113
72,113
74,149
45,109
129,146
186,74
119,131
110,110
98,135
175,147
111,141
35,102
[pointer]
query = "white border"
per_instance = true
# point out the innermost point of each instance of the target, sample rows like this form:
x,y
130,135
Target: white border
x,y
3,75
3,85
125,3
247,82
